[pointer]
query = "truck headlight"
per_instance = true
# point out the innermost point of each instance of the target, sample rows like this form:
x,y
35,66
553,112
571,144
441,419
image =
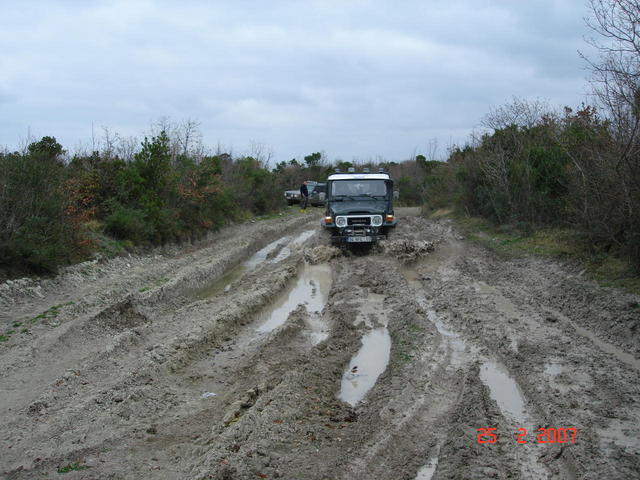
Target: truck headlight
x,y
341,222
376,220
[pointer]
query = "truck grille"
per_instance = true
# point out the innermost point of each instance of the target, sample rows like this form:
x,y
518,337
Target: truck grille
x,y
359,221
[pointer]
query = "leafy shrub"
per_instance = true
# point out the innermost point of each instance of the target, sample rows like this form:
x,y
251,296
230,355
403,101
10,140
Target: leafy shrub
x,y
128,223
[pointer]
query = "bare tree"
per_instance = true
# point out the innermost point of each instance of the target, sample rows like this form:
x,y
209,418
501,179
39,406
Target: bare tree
x,y
261,152
109,142
189,136
612,176
616,72
127,147
520,112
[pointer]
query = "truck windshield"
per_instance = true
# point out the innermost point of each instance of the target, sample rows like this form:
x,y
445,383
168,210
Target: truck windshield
x,y
354,188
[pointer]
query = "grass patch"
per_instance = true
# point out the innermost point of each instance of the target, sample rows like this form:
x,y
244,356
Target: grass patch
x,y
156,283
52,312
523,239
414,328
613,272
4,338
405,357
439,213
72,467
109,247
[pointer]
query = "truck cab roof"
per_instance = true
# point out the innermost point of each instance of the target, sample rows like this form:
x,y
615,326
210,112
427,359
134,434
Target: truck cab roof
x,y
359,176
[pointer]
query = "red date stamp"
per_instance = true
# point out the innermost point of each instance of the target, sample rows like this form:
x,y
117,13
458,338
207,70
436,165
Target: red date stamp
x,y
543,435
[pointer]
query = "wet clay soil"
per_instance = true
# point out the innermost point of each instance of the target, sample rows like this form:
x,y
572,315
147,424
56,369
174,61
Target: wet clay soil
x,y
264,353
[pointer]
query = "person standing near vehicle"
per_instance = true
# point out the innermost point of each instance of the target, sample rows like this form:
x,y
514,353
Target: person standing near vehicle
x,y
304,196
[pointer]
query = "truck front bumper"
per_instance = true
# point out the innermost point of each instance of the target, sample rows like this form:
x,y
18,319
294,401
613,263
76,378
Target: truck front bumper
x,y
358,235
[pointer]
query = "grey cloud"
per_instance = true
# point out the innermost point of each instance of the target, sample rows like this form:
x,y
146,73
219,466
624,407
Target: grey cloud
x,y
359,78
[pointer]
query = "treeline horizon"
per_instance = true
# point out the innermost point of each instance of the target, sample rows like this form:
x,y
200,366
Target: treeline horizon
x,y
57,209
536,166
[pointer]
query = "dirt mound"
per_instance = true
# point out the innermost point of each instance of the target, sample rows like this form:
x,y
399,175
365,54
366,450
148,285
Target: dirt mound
x,y
406,249
321,254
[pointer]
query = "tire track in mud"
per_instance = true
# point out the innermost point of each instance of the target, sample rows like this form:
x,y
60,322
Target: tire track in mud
x,y
492,397
515,328
237,380
306,437
122,333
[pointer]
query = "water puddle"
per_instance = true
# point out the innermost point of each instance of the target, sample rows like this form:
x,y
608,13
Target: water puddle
x,y
311,288
366,366
505,391
262,254
502,387
621,355
223,284
427,471
297,241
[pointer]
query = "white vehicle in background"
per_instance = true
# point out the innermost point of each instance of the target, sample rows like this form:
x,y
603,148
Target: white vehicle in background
x,y
293,196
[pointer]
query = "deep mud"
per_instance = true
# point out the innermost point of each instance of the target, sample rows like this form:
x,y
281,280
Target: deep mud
x,y
263,352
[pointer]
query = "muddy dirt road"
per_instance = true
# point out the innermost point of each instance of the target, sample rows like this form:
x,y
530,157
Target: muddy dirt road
x,y
263,353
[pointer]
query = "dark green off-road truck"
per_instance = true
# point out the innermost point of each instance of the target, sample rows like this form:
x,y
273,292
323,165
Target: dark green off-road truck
x,y
359,206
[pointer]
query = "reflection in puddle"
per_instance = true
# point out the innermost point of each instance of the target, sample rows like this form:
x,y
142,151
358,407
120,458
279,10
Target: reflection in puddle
x,y
504,390
366,366
311,288
427,471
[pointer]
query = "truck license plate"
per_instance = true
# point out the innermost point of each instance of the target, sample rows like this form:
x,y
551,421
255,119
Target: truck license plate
x,y
358,239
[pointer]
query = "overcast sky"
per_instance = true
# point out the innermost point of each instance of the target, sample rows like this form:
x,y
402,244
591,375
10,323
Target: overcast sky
x,y
354,78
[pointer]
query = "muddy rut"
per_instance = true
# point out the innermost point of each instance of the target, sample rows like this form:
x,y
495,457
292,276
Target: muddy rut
x,y
262,352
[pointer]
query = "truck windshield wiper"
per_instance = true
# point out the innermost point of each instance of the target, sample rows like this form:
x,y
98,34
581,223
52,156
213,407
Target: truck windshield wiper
x,y
341,197
371,196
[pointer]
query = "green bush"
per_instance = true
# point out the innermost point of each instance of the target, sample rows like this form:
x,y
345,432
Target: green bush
x,y
35,233
128,223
